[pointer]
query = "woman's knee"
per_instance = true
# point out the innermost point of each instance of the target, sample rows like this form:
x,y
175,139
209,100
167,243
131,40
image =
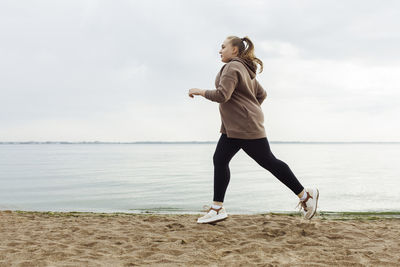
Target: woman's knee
x,y
269,162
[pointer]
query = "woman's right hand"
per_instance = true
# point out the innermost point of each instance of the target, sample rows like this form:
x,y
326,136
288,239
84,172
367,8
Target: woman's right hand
x,y
196,91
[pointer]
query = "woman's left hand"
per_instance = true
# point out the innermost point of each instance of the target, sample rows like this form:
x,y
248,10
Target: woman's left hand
x,y
196,91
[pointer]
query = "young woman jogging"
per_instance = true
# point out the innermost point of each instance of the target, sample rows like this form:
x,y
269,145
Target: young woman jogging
x,y
240,95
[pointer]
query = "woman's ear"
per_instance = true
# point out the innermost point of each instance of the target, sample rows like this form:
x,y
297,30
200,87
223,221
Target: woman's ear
x,y
235,50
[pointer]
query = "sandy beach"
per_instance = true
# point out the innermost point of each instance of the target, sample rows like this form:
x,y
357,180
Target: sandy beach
x,y
96,239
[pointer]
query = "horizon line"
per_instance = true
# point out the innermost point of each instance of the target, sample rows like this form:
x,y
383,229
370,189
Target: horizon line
x,y
192,142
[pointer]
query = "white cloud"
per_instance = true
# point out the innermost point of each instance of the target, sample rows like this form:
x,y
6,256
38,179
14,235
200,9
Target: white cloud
x,y
275,48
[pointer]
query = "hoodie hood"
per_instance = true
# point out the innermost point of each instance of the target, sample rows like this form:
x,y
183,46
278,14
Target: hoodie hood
x,y
250,66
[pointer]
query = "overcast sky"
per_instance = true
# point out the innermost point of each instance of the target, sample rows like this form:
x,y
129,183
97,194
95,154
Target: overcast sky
x,y
121,70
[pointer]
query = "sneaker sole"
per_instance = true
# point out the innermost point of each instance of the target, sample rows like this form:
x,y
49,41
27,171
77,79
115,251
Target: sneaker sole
x,y
217,219
316,204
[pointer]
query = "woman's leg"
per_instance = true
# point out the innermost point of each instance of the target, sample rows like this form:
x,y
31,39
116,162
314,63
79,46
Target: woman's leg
x,y
225,150
259,150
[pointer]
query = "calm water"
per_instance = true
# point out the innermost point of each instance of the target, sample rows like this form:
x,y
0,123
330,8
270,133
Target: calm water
x,y
178,178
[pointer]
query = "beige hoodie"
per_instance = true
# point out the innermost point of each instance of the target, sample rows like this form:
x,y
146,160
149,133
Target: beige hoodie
x,y
240,96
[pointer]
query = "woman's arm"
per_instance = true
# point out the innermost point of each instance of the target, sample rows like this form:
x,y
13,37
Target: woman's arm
x,y
227,83
224,90
196,91
261,94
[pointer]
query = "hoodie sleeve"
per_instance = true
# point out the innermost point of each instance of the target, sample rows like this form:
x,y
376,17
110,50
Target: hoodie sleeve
x,y
227,83
261,93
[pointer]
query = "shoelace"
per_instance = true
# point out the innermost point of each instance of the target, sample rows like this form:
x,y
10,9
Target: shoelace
x,y
206,208
302,204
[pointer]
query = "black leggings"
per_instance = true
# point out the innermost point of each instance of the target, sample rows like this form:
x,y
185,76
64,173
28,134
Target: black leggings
x,y
259,150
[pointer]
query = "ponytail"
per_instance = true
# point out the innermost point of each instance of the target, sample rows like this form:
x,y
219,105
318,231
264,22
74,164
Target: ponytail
x,y
246,52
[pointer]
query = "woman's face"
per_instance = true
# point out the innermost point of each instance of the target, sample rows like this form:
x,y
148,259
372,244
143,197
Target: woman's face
x,y
227,51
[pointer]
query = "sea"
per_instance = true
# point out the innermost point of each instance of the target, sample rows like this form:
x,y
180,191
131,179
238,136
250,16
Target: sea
x,y
178,177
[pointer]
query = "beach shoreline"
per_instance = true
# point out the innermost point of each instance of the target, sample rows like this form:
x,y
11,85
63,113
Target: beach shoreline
x,y
37,238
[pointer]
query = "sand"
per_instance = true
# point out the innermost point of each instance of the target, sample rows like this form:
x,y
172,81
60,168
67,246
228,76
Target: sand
x,y
95,239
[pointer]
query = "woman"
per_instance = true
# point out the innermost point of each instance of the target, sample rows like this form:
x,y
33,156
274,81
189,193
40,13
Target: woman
x,y
239,96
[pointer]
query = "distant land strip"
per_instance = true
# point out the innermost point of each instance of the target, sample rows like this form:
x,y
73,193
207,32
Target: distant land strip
x,y
183,142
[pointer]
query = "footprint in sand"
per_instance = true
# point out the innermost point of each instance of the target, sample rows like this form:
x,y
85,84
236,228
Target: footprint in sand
x,y
175,226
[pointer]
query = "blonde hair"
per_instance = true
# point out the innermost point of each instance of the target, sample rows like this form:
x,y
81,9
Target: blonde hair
x,y
246,53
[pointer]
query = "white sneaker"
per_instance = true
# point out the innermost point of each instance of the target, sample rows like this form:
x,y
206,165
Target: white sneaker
x,y
213,215
309,205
